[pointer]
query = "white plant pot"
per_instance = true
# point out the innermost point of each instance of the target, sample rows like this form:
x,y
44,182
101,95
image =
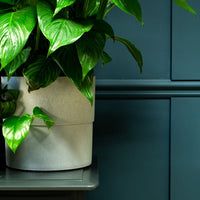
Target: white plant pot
x,y
68,144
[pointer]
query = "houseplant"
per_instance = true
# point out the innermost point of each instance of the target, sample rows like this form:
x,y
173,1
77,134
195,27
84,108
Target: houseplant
x,y
41,41
55,44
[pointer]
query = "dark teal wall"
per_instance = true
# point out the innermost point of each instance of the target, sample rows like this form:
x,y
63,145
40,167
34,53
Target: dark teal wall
x,y
147,132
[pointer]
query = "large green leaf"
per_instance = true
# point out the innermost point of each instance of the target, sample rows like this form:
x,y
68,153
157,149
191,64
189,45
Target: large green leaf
x,y
185,5
38,113
62,4
69,63
133,50
41,73
15,28
131,7
15,130
90,48
20,59
59,32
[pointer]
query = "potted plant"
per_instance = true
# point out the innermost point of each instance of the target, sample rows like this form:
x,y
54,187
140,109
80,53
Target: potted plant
x,y
48,51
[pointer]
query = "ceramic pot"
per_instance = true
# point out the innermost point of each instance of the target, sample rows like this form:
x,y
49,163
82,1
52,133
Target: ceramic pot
x,y
65,146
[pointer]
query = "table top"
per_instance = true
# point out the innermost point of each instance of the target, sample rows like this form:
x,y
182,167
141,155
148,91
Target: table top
x,y
74,180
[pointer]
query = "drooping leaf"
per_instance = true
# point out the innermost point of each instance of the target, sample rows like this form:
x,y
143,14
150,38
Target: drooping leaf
x,y
69,63
62,4
106,58
90,48
59,32
133,50
185,5
131,7
41,73
15,28
38,113
20,59
15,130
102,26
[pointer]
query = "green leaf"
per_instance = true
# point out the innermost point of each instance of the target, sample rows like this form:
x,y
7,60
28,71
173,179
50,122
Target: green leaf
x,y
41,73
62,4
9,95
15,130
185,5
102,26
15,28
59,32
68,61
90,48
38,113
133,50
20,59
7,108
130,7
106,58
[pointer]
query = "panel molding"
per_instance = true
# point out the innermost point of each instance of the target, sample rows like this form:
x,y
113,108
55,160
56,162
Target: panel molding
x,y
161,89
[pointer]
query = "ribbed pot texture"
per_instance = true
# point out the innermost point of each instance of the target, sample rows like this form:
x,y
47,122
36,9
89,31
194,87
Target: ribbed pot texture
x,y
65,146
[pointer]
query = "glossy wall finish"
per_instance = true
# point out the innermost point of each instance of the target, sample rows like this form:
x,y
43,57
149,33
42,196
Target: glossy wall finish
x,y
147,134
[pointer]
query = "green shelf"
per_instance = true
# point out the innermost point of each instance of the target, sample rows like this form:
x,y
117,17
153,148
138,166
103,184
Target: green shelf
x,y
85,179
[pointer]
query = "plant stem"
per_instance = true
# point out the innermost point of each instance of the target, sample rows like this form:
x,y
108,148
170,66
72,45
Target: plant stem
x,y
86,2
37,38
102,9
109,8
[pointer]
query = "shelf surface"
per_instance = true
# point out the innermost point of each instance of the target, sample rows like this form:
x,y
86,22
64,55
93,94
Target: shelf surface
x,y
74,180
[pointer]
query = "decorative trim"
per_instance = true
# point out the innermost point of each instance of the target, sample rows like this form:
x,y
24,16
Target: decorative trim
x,y
128,89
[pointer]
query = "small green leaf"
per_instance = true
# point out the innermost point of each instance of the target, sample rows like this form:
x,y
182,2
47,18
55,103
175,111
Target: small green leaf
x,y
131,7
133,50
15,28
20,59
59,32
90,48
185,5
15,130
106,58
41,73
7,108
63,4
38,113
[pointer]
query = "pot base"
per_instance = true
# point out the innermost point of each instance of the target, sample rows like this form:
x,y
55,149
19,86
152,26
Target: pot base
x,y
57,149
